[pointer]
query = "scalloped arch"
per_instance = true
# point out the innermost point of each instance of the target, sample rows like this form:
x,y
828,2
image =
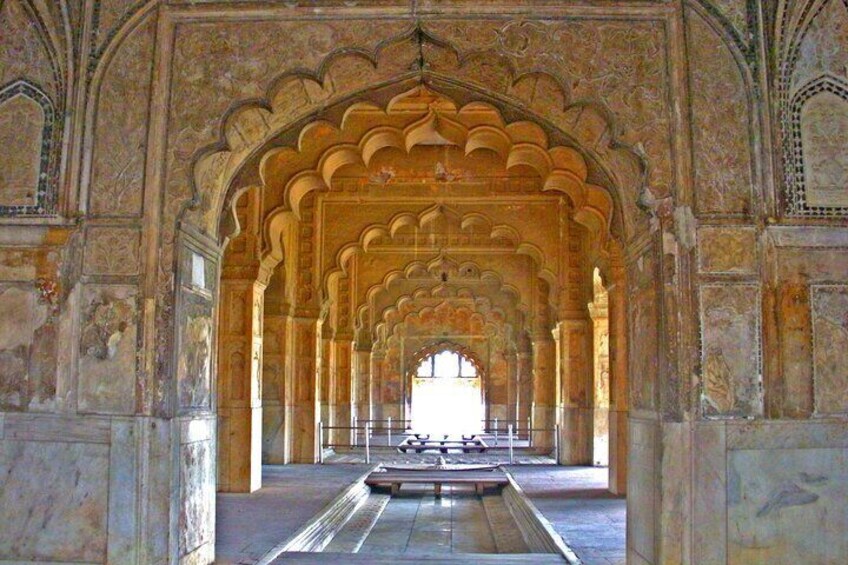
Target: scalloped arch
x,y
473,127
373,233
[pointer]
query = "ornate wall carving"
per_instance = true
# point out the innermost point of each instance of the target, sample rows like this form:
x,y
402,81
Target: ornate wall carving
x,y
820,138
120,130
830,344
112,251
108,347
720,122
814,114
728,250
27,135
730,350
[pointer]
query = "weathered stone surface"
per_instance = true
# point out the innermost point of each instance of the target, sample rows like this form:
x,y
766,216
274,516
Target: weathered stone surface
x,y
721,140
66,498
112,251
197,496
728,250
108,344
120,134
21,130
27,345
196,349
787,506
730,350
830,344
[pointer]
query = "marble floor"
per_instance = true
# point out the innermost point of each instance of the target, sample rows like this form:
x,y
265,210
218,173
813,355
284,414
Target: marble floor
x,y
590,519
249,525
415,527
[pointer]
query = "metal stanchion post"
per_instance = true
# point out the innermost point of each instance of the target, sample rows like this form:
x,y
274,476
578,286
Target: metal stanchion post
x,y
389,440
509,430
368,442
320,442
556,443
529,433
496,431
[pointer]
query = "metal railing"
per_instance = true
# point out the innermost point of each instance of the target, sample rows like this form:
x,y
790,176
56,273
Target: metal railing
x,y
511,436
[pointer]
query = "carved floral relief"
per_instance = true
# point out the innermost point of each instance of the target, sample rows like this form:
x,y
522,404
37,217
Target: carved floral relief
x,y
830,349
727,250
722,150
824,149
112,251
120,133
107,379
730,350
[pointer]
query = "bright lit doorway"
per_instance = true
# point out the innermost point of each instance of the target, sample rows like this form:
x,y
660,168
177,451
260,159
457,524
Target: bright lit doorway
x,y
447,395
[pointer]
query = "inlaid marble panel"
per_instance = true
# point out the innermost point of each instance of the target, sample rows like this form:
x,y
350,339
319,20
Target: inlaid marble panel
x,y
730,350
830,349
824,142
727,250
197,495
194,364
787,506
21,127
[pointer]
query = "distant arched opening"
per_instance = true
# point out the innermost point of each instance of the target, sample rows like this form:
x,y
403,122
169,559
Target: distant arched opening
x,y
447,394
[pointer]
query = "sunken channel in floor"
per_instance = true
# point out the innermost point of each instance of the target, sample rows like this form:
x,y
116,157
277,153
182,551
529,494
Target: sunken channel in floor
x,y
443,513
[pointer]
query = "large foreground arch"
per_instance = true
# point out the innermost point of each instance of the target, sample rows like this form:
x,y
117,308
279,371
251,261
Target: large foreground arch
x,y
726,280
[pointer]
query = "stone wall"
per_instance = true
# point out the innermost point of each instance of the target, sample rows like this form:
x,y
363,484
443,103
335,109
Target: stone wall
x,y
707,143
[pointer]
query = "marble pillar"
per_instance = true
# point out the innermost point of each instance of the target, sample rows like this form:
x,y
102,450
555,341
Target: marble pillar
x,y
618,384
362,381
376,363
574,340
544,392
302,405
341,399
524,368
239,386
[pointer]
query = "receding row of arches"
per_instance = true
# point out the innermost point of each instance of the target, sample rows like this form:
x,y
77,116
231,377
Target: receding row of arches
x,y
441,233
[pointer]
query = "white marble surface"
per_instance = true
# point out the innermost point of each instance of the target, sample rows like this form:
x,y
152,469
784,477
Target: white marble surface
x,y
787,506
57,509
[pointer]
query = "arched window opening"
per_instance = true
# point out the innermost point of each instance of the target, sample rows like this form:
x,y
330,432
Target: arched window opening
x,y
447,395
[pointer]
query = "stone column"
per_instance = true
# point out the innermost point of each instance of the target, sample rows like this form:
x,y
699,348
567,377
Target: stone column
x,y
512,388
274,445
302,404
341,401
327,382
362,380
618,382
598,310
544,390
574,358
239,386
376,363
524,368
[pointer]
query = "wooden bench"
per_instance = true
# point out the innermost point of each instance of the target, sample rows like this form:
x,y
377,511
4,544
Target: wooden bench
x,y
480,479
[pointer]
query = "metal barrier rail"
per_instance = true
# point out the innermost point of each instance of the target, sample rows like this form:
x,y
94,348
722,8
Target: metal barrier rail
x,y
511,438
